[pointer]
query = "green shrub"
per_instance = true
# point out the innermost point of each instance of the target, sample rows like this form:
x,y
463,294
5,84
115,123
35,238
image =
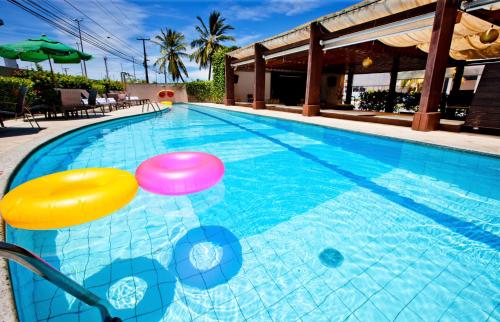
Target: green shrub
x,y
218,66
110,85
44,84
200,91
101,89
211,91
373,100
410,101
9,89
377,101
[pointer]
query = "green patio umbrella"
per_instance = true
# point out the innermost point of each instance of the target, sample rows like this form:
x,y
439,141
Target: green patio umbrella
x,y
41,49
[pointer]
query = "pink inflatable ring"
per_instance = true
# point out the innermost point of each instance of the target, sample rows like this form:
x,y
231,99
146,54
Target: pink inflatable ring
x,y
179,173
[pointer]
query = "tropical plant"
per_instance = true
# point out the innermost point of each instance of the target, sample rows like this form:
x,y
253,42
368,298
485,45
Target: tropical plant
x,y
210,40
200,91
218,66
377,101
172,49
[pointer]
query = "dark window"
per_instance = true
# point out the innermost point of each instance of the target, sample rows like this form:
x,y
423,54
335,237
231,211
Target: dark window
x,y
331,81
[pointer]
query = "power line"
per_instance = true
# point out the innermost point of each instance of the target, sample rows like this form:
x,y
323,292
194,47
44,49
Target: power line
x,y
67,26
99,25
81,43
145,57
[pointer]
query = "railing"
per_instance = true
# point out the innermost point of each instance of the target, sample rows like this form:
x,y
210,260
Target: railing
x,y
43,269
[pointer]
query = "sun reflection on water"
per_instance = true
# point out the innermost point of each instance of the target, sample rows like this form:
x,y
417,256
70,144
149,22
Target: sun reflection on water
x,y
127,292
205,256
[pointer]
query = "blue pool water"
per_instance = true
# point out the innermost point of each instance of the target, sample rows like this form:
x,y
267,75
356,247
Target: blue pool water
x,y
308,224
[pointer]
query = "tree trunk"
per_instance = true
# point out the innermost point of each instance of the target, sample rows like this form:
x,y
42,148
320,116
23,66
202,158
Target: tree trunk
x,y
209,69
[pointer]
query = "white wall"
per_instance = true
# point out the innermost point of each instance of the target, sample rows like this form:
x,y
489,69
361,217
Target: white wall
x,y
245,86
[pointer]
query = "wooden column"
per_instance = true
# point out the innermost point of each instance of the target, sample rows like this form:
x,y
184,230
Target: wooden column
x,y
427,118
229,81
314,66
348,90
259,86
391,98
457,79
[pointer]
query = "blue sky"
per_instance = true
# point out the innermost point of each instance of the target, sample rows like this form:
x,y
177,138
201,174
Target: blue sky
x,y
125,20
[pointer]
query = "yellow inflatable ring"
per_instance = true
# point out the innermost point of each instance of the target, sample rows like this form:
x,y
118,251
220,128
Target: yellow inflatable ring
x,y
68,198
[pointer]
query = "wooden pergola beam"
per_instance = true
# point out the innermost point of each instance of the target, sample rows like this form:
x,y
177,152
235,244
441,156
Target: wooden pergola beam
x,y
259,78
350,80
391,98
314,66
427,118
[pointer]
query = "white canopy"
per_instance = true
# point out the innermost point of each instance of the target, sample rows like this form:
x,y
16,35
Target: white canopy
x,y
465,44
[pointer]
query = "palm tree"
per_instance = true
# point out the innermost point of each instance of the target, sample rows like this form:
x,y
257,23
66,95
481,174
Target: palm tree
x,y
210,40
172,49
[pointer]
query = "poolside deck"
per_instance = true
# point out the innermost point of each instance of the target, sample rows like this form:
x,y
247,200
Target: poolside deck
x,y
364,116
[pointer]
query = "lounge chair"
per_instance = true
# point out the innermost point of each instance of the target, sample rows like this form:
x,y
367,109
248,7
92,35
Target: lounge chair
x,y
20,108
91,102
71,102
121,99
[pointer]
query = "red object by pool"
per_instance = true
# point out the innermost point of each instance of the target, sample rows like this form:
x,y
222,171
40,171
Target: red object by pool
x,y
179,173
166,93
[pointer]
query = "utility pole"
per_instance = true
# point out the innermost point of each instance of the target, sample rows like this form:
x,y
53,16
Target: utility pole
x,y
81,43
145,58
81,65
106,65
165,73
133,65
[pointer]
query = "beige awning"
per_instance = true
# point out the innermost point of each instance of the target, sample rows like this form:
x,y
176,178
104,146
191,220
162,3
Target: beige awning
x,y
465,45
364,11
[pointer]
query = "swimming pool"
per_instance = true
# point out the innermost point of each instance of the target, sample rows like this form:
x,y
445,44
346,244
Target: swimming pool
x,y
308,223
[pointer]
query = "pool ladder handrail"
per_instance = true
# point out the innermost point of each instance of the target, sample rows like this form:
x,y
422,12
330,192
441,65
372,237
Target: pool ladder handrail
x,y
38,266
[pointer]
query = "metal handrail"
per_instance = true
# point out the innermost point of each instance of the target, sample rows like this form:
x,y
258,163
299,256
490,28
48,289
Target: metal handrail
x,y
45,270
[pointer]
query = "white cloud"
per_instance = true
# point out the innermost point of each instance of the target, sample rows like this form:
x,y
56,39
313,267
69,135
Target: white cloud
x,y
265,9
245,40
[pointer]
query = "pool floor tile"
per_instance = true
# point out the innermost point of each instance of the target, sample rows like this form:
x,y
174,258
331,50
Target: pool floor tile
x,y
282,311
250,303
301,301
369,312
269,293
